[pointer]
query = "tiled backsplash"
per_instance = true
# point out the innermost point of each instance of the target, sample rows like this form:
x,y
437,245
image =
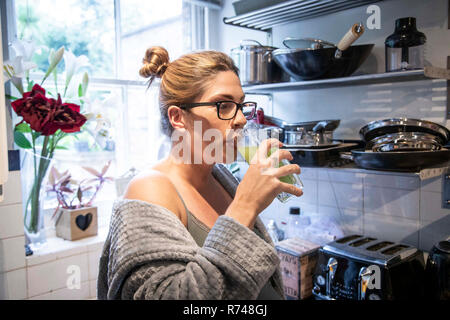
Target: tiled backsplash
x,y
395,207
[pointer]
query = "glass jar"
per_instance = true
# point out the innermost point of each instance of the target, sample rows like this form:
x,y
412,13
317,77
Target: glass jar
x,y
405,48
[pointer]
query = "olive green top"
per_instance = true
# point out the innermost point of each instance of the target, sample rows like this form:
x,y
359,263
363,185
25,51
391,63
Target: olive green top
x,y
199,232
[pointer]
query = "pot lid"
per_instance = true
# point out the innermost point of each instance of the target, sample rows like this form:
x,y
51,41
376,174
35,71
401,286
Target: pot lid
x,y
378,128
307,43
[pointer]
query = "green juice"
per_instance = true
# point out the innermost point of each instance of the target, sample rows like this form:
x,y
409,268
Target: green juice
x,y
248,152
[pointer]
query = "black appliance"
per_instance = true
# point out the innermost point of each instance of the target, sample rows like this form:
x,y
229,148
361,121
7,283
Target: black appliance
x,y
357,267
405,47
438,271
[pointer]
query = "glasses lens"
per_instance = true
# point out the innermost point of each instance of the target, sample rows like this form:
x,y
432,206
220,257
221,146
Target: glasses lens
x,y
249,110
227,110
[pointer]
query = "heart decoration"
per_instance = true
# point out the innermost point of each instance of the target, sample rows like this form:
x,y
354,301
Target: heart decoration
x,y
83,222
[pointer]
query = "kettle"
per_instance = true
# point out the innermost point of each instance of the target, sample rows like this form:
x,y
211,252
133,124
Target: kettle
x,y
438,271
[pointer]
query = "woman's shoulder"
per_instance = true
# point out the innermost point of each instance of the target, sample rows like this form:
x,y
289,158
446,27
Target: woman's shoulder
x,y
155,187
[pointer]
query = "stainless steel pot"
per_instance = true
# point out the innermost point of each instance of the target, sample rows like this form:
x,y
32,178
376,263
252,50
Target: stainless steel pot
x,y
256,65
304,134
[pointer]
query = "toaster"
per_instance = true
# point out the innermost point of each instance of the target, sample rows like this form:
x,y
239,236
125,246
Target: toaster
x,y
358,267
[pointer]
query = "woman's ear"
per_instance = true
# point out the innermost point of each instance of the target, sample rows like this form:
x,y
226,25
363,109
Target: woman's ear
x,y
176,117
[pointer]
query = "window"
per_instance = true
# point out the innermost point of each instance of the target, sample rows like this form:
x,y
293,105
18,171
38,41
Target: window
x,y
113,35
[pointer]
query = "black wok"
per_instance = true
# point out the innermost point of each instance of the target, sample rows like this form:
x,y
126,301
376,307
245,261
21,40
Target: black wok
x,y
407,161
320,62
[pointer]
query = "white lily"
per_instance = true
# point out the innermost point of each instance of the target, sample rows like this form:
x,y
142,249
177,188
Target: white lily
x,y
24,48
73,64
20,63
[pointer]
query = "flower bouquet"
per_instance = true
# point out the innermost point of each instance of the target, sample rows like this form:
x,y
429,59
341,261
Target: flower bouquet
x,y
46,120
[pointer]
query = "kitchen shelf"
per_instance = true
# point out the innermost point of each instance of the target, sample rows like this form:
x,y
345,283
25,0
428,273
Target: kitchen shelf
x,y
388,77
291,11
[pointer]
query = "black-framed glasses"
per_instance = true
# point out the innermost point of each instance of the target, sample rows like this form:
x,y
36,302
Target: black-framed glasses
x,y
227,110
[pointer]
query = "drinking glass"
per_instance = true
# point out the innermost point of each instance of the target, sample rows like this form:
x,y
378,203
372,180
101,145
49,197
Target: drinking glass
x,y
250,138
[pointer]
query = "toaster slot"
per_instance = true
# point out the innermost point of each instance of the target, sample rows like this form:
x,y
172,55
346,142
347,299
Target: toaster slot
x,y
394,249
349,238
361,242
379,246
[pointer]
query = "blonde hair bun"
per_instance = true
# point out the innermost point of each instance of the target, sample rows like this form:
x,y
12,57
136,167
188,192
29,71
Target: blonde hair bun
x,y
156,61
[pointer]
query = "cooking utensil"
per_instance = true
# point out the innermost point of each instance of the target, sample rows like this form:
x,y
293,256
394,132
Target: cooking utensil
x,y
408,161
320,62
405,141
311,133
255,63
438,271
328,156
379,128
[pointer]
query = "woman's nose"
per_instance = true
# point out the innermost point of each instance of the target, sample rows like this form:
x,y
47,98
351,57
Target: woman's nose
x,y
240,120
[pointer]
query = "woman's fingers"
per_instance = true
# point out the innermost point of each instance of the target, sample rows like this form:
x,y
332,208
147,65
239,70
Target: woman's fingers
x,y
287,170
279,155
265,146
290,188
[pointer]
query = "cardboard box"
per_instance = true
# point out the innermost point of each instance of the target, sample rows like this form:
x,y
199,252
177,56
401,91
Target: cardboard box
x,y
298,262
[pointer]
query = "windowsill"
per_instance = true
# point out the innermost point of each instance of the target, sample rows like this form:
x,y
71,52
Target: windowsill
x,y
57,248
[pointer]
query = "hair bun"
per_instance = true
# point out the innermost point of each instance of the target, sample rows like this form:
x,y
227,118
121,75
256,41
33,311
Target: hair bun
x,y
156,61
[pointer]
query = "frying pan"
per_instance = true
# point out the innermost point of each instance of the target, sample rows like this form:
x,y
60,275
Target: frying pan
x,y
320,62
407,161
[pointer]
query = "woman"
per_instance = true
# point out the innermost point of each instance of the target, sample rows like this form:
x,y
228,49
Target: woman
x,y
185,229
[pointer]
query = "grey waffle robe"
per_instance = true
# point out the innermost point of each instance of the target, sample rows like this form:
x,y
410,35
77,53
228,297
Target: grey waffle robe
x,y
149,254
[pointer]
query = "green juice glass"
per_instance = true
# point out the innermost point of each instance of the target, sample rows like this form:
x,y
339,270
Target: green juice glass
x,y
248,143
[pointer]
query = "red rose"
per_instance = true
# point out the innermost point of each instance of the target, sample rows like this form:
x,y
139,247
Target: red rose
x,y
47,115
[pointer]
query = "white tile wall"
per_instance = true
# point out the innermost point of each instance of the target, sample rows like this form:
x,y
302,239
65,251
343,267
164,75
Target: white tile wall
x,y
53,275
11,220
94,259
389,206
433,232
12,189
431,207
391,228
392,202
12,253
341,195
350,221
13,285
73,294
93,289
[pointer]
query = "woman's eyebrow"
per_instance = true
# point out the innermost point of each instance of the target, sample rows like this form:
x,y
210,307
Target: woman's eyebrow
x,y
225,96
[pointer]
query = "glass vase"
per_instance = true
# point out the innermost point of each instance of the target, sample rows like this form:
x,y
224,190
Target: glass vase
x,y
34,173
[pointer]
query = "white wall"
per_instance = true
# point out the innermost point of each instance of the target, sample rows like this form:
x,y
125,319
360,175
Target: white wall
x,y
394,207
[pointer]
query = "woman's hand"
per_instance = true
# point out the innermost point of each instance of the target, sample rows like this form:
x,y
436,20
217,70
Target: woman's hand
x,y
260,184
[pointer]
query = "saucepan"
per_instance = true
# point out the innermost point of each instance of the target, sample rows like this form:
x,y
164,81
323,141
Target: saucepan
x,y
308,59
309,134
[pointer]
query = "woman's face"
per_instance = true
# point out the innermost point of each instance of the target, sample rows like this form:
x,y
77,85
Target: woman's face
x,y
216,135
